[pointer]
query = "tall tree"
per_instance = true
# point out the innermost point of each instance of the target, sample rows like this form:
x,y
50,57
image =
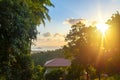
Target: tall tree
x,y
113,36
83,45
18,21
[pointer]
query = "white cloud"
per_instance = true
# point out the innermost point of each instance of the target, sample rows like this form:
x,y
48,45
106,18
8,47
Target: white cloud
x,y
71,21
47,34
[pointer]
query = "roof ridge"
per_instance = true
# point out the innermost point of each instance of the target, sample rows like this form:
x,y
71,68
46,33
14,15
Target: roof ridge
x,y
59,61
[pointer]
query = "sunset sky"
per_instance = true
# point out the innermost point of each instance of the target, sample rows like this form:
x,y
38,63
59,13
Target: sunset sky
x,y
68,12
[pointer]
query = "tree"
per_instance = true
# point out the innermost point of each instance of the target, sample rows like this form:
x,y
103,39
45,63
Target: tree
x,y
57,74
113,35
18,21
83,45
38,73
75,71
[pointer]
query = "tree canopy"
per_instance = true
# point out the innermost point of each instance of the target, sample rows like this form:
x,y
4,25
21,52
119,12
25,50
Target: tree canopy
x,y
113,45
18,21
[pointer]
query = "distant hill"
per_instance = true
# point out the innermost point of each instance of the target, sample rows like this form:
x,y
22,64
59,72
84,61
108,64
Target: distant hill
x,y
40,58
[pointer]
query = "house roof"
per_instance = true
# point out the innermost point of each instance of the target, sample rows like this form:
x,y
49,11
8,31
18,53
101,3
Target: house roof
x,y
58,62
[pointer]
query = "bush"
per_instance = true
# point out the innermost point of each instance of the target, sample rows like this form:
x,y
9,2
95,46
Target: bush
x,y
55,75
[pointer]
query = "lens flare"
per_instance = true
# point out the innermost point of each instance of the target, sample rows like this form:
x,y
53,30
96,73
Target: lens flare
x,y
102,27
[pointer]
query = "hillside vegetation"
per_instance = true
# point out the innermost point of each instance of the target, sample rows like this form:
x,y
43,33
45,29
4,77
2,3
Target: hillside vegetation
x,y
41,57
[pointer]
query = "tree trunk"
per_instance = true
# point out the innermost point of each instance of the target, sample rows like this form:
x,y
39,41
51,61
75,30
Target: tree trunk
x,y
87,76
99,76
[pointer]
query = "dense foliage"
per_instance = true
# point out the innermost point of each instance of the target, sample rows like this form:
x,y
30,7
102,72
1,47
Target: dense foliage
x,y
57,74
18,21
38,73
113,46
83,46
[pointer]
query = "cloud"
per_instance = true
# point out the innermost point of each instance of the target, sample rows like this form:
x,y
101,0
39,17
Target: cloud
x,y
48,39
47,34
74,21
58,35
50,42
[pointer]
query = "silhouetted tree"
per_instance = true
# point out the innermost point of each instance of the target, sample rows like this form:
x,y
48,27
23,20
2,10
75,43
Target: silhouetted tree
x,y
113,37
83,45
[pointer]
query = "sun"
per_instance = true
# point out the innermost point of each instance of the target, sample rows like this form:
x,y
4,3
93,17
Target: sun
x,y
102,27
